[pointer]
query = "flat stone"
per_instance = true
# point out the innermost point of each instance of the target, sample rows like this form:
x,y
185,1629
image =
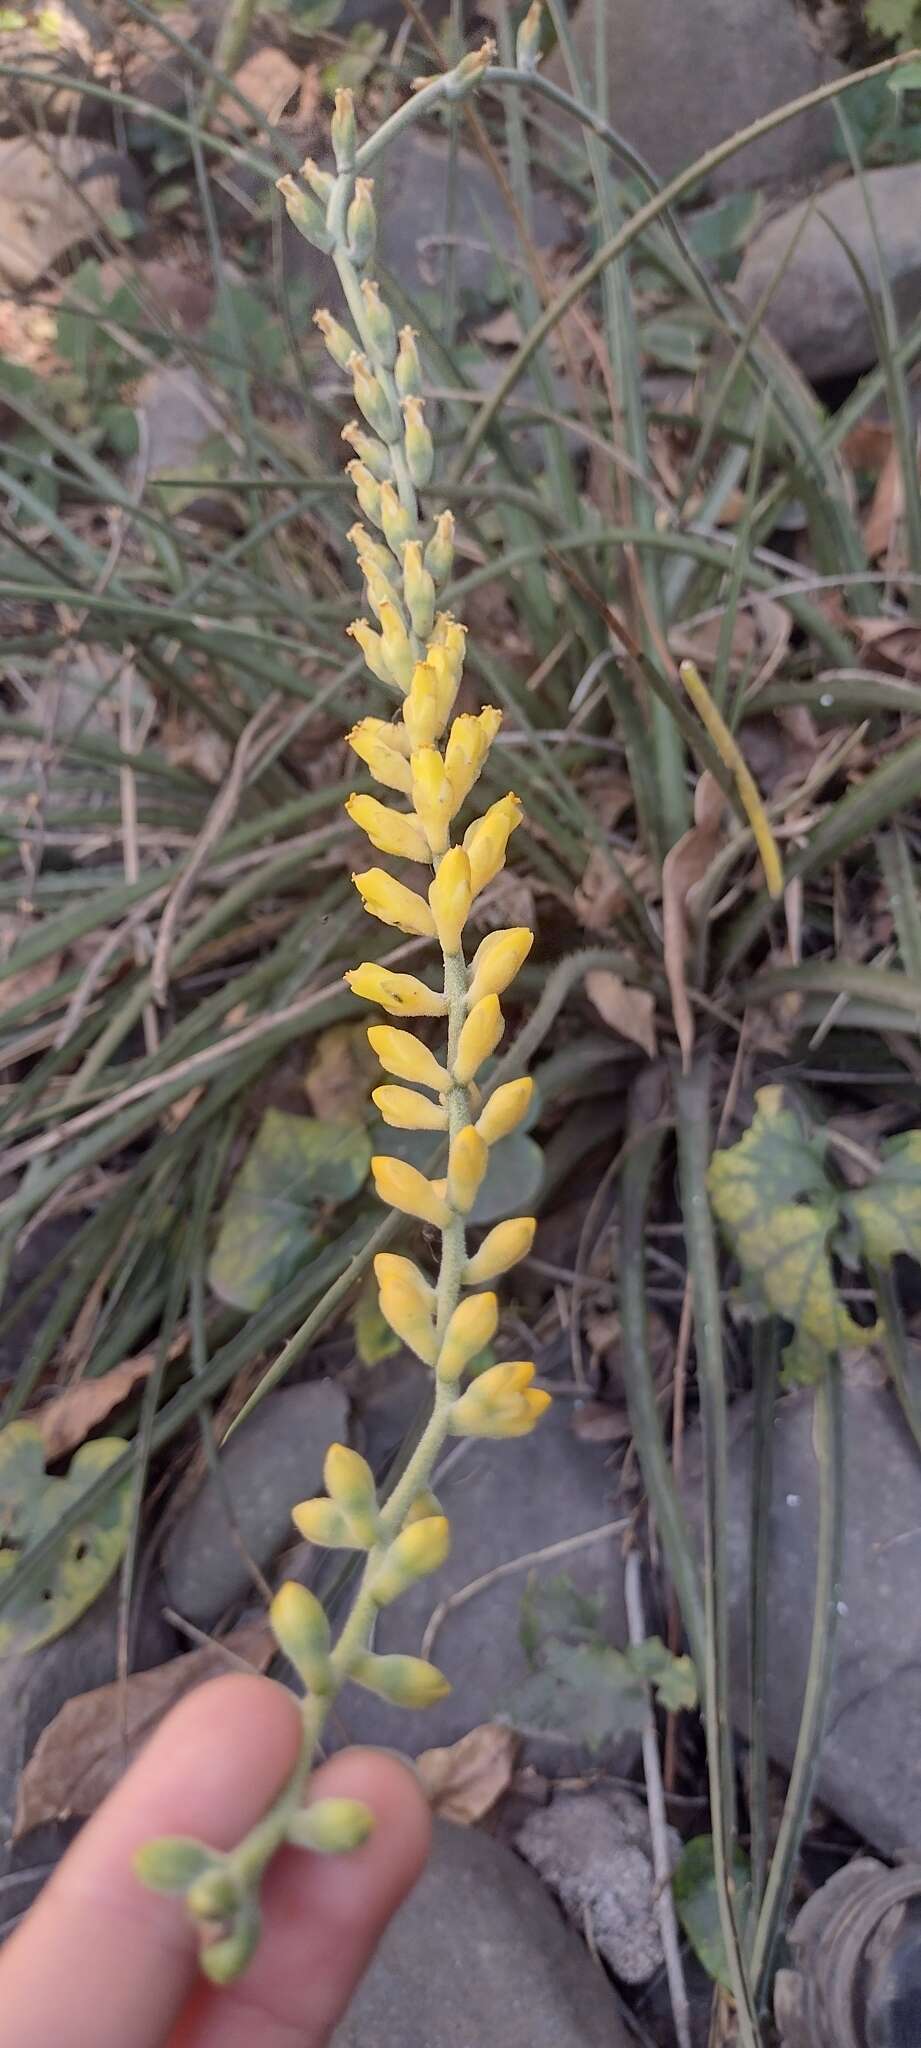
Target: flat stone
x,y
52,198
818,311
179,416
593,1849
870,1768
683,75
505,1501
480,1954
271,1462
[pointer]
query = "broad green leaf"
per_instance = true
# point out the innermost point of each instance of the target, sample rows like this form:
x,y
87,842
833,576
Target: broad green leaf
x,y
773,1161
557,1607
888,1212
697,1903
588,1690
674,1678
272,1219
31,1502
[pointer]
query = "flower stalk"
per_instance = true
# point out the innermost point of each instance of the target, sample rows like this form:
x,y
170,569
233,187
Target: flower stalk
x,y
427,762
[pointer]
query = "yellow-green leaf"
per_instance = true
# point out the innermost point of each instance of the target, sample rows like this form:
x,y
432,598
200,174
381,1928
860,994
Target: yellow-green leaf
x,y
270,1223
888,1212
31,1502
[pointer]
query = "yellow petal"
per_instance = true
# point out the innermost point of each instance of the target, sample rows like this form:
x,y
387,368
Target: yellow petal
x,y
432,798
395,832
480,1034
500,1402
377,744
468,1159
402,1054
320,1521
496,962
301,1631
421,715
403,1308
486,840
394,904
450,897
416,1552
403,1187
504,1110
469,741
473,1324
397,650
393,1266
404,1681
503,1247
406,1110
372,647
400,994
349,1480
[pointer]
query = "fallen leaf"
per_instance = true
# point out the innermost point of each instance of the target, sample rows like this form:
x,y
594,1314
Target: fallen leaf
x,y
887,507
85,1749
631,1011
341,1073
269,80
67,1420
464,1782
893,641
601,896
683,868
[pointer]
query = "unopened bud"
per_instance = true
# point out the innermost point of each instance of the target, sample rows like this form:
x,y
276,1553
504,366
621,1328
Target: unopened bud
x,y
349,1482
330,1827
339,341
467,74
321,182
414,1554
404,1681
367,491
344,130
418,590
373,453
370,397
361,223
439,554
379,330
173,1863
301,1631
527,49
408,368
418,443
304,213
396,520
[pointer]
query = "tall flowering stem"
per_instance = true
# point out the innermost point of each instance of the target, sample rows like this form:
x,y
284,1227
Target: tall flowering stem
x,y
427,761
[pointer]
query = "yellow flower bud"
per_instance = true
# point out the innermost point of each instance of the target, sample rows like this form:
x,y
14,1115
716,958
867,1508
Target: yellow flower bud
x,y
396,520
468,72
468,1159
486,840
408,369
421,707
450,897
304,212
321,182
397,650
500,1402
378,324
439,554
393,1266
401,995
339,341
374,455
405,1110
349,1481
404,1307
469,741
330,1827
432,799
404,1681
320,1521
370,396
378,588
419,1550
394,832
502,1248
377,744
418,443
301,1631
368,492
504,1110
473,1324
344,129
394,904
418,590
372,647
406,1057
403,1187
527,47
361,223
496,962
480,1034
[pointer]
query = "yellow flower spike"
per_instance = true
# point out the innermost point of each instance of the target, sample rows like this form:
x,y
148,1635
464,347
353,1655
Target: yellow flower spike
x,y
502,1248
374,456
479,1037
321,1522
406,1057
376,743
421,712
301,1631
394,904
349,1481
394,832
418,1551
402,1681
403,1187
504,1110
473,1324
500,1402
432,800
468,1159
397,650
372,647
396,521
418,590
450,897
486,840
497,961
401,995
404,1110
469,741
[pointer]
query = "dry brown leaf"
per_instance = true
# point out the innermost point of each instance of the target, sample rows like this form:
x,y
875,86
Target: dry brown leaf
x,y
683,868
867,445
269,80
88,1745
600,896
631,1011
887,509
893,642
341,1073
464,1782
66,1420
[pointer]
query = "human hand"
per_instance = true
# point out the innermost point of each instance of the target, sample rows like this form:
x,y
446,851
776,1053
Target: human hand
x,y
100,1962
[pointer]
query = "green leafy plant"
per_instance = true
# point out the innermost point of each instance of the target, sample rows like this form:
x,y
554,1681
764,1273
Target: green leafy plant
x,y
899,19
32,1502
579,1683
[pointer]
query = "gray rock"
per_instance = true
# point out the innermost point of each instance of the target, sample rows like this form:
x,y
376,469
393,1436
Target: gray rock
x,y
479,1954
178,414
870,1769
685,74
818,310
505,1501
593,1850
273,1461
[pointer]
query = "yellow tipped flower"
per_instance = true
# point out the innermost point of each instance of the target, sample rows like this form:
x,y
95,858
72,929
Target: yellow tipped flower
x,y
419,1550
344,128
301,1631
378,588
399,994
408,369
368,492
479,1037
405,1110
418,590
394,832
504,1110
337,338
377,744
394,904
496,962
404,1306
439,554
397,650
418,443
403,1187
432,799
486,840
374,456
372,647
468,1159
370,396
320,1521
473,1324
500,1402
349,1481
361,224
421,707
469,741
450,897
396,521
406,1057
379,323
403,1681
504,1246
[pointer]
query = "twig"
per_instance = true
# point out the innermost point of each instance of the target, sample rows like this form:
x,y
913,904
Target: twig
x,y
658,1827
514,1564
